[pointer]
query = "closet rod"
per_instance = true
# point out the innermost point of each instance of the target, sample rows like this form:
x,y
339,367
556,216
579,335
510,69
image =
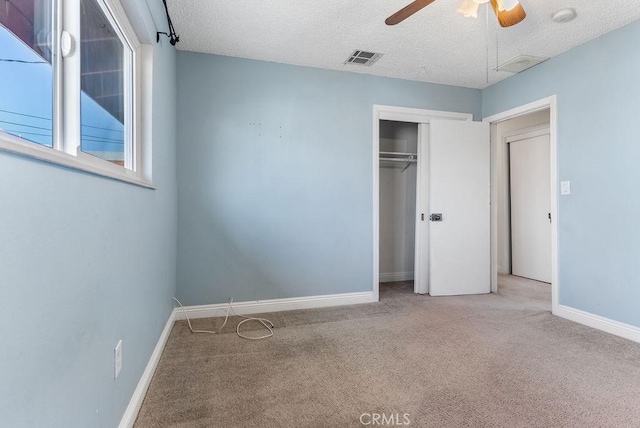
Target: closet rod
x,y
398,160
407,158
397,154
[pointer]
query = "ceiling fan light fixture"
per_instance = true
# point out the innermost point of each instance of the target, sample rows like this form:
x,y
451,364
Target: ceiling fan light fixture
x,y
507,4
508,12
469,8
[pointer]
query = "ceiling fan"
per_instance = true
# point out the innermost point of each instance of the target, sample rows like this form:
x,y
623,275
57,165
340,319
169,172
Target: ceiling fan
x,y
508,12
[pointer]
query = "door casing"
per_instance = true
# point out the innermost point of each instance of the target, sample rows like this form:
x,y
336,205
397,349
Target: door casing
x,y
544,103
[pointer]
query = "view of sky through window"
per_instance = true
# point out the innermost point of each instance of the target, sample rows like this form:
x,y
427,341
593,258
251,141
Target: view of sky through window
x,y
26,92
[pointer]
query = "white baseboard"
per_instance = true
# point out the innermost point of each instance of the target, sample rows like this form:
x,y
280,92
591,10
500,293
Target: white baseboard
x,y
131,413
396,276
600,323
276,305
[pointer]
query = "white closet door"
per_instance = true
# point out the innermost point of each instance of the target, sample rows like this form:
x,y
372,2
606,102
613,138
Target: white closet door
x,y
530,208
459,163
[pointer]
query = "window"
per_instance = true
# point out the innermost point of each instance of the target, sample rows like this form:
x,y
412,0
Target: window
x,y
70,85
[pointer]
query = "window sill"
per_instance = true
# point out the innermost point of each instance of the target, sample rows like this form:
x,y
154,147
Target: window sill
x,y
12,144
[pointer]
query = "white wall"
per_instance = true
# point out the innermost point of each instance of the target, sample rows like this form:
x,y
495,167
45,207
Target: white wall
x,y
504,215
397,203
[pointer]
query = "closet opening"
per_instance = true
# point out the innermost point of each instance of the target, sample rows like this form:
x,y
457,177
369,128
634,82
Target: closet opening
x,y
398,160
423,160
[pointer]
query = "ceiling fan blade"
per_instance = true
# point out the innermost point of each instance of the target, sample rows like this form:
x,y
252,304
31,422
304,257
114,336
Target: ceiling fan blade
x,y
508,18
407,11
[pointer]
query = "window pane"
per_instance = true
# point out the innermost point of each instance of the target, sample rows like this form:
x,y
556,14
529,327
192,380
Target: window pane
x,y
103,80
26,73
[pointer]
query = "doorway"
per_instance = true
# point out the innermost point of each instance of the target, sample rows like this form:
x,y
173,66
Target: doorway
x,y
524,192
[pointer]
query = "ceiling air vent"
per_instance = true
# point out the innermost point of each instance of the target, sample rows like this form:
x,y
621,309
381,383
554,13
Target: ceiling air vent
x,y
363,58
520,63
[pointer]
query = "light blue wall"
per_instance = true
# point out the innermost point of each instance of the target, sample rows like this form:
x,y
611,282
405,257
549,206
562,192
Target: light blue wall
x,y
598,89
84,261
275,175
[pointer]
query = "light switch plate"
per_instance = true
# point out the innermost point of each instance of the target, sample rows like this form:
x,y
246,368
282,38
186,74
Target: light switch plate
x,y
565,187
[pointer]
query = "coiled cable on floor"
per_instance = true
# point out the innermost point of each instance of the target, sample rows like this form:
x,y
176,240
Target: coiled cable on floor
x,y
265,322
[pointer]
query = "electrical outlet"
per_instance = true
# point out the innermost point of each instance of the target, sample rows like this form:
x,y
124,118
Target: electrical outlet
x,y
117,359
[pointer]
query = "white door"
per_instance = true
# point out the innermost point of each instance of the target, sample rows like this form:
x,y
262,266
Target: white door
x,y
530,208
459,174
421,264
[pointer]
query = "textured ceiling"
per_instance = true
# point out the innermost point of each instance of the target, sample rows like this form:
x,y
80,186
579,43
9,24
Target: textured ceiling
x,y
435,45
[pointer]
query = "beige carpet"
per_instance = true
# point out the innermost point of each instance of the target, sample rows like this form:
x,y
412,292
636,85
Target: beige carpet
x,y
498,360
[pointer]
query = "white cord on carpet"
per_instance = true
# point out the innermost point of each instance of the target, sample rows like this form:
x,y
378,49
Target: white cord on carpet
x,y
265,322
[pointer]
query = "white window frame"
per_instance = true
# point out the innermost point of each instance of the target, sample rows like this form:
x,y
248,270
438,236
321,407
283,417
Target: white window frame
x,y
66,150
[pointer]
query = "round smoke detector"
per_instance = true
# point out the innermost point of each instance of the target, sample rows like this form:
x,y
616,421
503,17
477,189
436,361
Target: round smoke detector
x,y
564,15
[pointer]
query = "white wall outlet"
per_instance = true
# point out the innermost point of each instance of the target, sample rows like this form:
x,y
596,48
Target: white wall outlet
x,y
117,359
565,187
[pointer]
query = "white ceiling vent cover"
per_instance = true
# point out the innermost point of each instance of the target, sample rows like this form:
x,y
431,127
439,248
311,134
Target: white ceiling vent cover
x,y
520,63
363,58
